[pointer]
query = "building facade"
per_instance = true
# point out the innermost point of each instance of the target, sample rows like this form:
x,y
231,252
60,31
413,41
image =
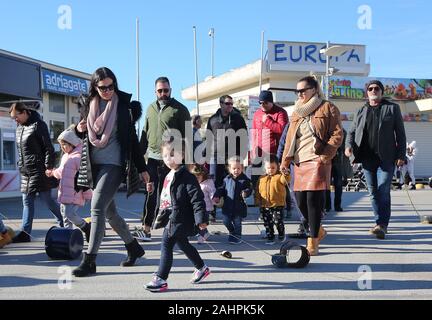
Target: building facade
x,y
24,78
346,74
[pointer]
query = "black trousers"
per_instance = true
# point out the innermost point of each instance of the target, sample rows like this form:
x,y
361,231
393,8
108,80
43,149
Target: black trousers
x,y
270,216
311,205
157,171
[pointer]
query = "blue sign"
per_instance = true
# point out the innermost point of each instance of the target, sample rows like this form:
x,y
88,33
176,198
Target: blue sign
x,y
63,84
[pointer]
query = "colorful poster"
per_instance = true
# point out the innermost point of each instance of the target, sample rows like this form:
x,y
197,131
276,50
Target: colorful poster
x,y
395,89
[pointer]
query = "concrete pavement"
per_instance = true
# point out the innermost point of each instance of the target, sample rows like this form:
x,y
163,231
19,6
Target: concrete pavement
x,y
352,264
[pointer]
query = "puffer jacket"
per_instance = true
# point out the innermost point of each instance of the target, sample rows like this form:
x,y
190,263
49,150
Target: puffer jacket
x,y
69,166
35,155
231,190
327,125
132,157
271,191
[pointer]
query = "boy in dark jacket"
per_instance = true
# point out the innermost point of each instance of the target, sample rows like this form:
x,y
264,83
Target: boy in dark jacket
x,y
236,187
182,212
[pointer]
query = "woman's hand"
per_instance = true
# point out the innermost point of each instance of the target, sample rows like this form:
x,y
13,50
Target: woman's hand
x,y
145,177
216,200
150,187
49,172
285,170
82,126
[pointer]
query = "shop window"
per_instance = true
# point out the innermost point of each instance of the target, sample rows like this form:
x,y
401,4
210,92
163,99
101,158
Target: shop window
x,y
56,127
9,155
56,103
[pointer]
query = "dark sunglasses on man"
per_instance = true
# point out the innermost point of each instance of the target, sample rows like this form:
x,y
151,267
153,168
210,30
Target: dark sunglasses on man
x,y
163,90
106,88
370,89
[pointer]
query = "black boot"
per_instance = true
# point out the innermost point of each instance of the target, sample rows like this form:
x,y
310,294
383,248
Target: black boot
x,y
21,237
87,266
135,251
86,230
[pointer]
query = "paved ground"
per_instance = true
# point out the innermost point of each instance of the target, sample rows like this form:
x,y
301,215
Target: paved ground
x,y
400,265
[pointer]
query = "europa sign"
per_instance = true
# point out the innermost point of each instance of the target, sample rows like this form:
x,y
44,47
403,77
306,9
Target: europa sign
x,y
306,56
63,84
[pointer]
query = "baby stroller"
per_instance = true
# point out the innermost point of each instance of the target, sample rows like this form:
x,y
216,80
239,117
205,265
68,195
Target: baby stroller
x,y
358,181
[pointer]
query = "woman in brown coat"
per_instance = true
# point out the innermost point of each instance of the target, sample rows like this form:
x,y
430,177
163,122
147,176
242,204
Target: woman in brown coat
x,y
314,135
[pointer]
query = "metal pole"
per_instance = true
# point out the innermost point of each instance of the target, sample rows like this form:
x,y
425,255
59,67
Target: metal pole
x,y
212,34
262,58
327,71
137,67
196,69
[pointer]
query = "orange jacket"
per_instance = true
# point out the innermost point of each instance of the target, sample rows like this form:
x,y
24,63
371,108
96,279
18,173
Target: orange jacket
x,y
271,190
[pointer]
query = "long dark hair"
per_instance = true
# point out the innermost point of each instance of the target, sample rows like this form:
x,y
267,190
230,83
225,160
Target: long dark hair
x,y
99,75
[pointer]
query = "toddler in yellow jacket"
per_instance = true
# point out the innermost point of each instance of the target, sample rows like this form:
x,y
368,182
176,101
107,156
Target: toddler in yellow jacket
x,y
270,196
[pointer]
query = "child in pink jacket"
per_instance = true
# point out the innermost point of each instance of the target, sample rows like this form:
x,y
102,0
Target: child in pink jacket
x,y
208,188
70,199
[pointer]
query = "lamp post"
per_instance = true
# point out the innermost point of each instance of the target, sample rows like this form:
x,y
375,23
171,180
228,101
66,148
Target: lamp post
x,y
212,34
332,51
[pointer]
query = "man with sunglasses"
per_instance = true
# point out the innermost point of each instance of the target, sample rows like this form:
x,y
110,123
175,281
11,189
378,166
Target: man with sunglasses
x,y
377,140
227,117
163,116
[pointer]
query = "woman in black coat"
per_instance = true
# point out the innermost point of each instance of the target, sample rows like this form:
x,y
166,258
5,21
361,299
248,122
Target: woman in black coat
x,y
110,155
36,155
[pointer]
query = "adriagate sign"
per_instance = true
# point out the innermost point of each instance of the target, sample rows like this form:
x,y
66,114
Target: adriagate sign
x,y
306,56
63,84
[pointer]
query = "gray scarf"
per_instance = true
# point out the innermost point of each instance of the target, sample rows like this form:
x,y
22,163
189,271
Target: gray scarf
x,y
303,110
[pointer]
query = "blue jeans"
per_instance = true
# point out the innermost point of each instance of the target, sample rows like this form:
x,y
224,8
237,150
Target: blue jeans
x,y
233,224
167,247
28,209
2,227
379,177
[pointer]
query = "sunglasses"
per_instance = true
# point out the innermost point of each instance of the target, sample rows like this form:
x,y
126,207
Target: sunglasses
x,y
301,91
370,89
228,103
163,90
106,88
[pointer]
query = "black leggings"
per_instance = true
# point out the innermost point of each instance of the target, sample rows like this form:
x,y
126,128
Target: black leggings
x,y
311,205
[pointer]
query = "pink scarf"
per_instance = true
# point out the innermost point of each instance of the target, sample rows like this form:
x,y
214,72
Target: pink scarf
x,y
101,124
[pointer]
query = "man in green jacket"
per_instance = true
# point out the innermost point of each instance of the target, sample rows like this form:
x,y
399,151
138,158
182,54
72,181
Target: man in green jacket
x,y
164,116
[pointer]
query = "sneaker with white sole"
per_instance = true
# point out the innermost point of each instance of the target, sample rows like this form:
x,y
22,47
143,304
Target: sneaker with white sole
x,y
157,284
200,239
200,275
141,234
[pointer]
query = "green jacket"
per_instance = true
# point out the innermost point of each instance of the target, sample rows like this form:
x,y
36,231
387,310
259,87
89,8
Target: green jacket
x,y
172,116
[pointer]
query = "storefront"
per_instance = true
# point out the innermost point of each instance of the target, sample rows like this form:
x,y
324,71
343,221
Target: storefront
x,y
23,78
287,62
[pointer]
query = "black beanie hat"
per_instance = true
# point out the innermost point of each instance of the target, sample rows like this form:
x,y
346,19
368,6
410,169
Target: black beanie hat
x,y
377,82
266,96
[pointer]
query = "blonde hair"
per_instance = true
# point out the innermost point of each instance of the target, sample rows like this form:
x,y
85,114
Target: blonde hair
x,y
234,159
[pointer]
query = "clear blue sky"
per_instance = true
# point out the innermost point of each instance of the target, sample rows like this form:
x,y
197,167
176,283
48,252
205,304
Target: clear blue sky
x,y
103,34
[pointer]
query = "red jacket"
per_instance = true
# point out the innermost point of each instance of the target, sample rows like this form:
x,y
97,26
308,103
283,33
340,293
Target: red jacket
x,y
266,135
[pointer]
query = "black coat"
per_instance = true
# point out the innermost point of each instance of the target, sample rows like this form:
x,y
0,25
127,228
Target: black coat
x,y
231,190
35,155
131,156
188,206
235,122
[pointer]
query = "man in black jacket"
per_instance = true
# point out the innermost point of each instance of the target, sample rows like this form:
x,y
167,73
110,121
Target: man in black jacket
x,y
377,140
229,138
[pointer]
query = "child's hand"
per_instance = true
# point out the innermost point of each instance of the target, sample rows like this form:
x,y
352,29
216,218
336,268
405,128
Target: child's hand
x,y
203,226
216,200
49,172
244,194
150,187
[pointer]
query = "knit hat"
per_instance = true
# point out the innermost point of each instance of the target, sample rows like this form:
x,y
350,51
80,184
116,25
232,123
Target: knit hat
x,y
70,137
377,82
266,96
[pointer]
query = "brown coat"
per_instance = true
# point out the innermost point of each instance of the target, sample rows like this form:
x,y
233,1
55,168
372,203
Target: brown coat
x,y
327,125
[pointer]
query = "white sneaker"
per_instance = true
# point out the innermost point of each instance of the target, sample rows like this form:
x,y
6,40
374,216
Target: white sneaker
x,y
200,239
156,285
141,234
200,275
